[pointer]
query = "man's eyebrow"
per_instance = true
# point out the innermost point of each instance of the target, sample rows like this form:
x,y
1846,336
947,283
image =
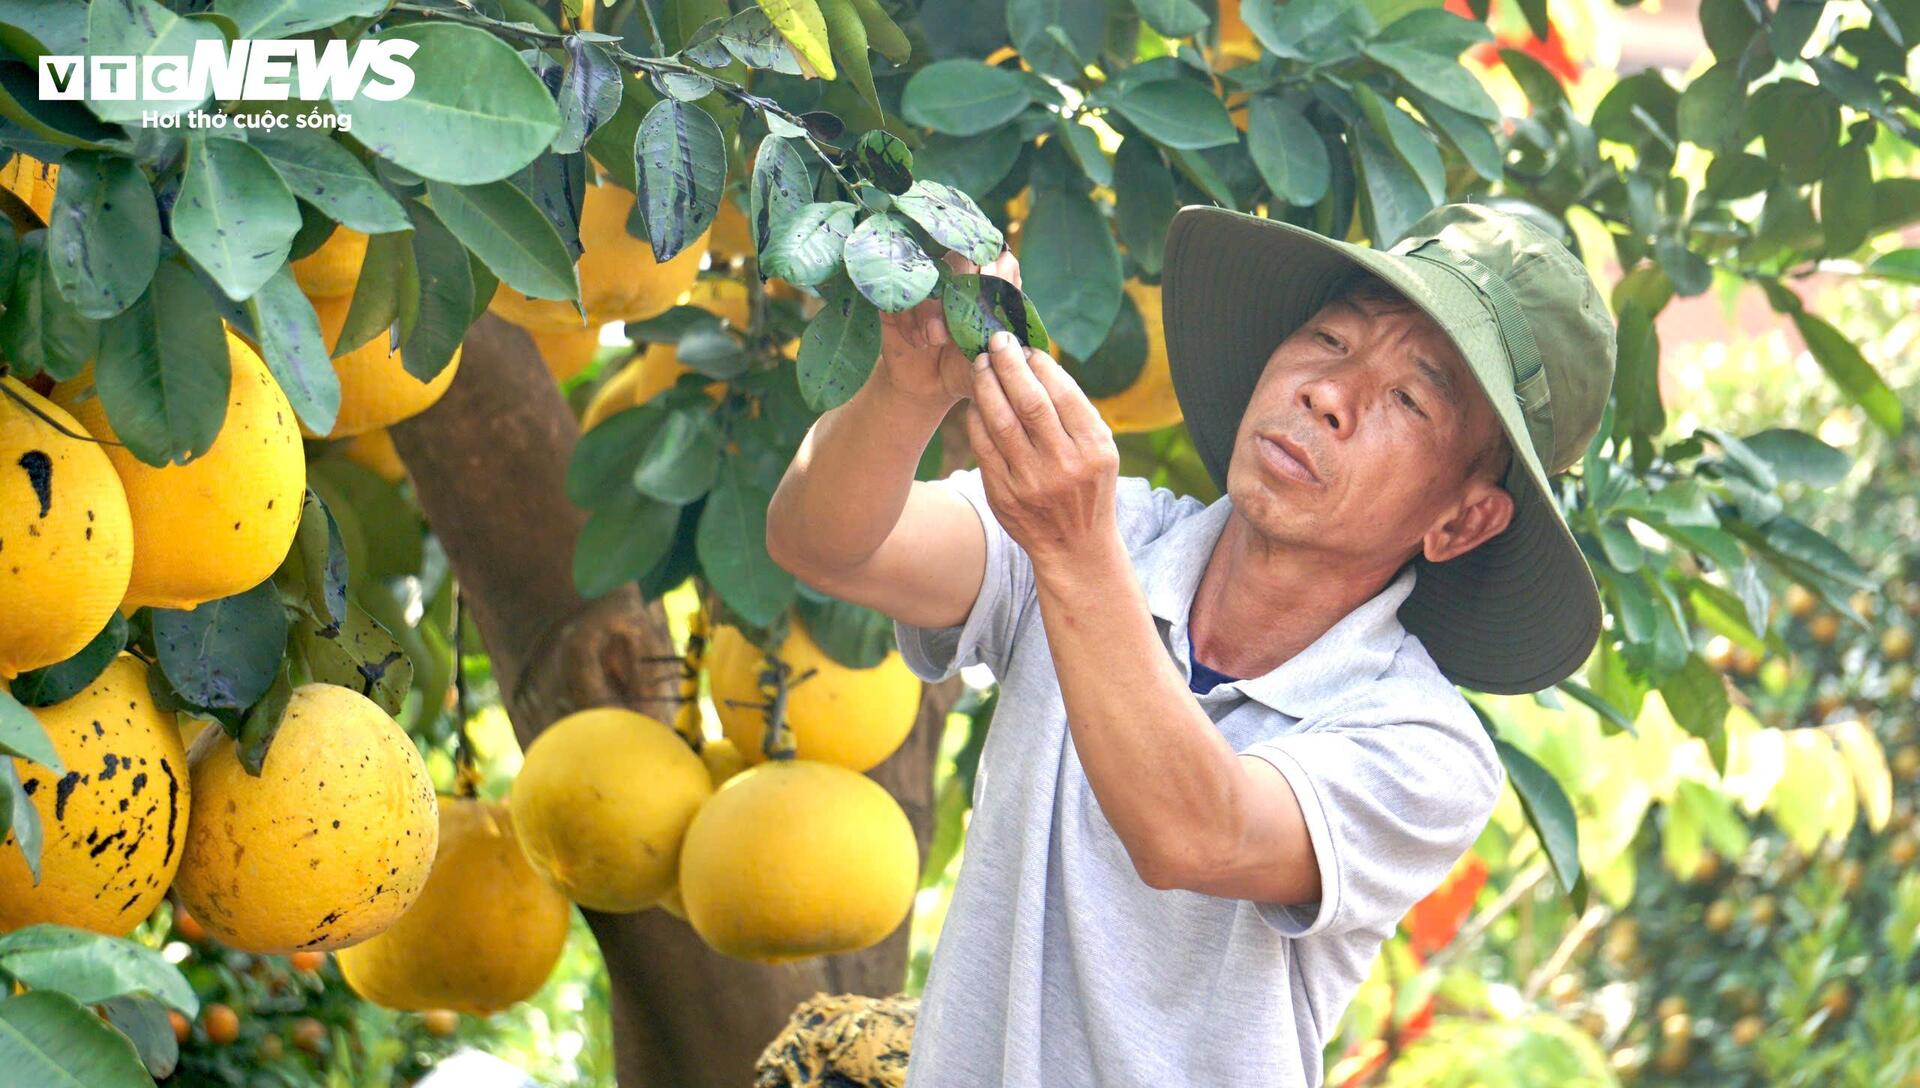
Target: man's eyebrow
x,y
1438,377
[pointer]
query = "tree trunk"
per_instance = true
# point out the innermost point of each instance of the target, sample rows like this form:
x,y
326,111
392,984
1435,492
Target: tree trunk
x,y
489,464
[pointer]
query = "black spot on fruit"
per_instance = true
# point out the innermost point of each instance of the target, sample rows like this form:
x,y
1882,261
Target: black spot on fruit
x,y
63,790
173,806
39,469
30,787
109,766
139,782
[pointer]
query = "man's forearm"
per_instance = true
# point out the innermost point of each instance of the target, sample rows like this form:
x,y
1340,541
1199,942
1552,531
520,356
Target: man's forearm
x,y
849,482
1170,785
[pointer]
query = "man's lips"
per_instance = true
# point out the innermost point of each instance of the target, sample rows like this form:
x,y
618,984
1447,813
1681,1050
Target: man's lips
x,y
1288,458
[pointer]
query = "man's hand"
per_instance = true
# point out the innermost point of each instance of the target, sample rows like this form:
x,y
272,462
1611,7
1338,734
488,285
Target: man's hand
x,y
917,356
1047,459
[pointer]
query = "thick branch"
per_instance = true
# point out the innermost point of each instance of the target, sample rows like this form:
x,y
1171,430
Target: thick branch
x,y
489,464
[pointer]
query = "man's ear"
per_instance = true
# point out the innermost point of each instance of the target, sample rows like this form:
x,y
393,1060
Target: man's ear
x,y
1483,513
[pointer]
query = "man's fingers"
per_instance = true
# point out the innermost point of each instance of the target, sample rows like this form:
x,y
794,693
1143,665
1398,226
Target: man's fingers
x,y
959,263
980,436
1030,400
1006,266
1002,422
1077,414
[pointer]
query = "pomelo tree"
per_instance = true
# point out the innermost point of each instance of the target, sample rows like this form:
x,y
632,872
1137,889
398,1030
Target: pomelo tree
x,y
409,283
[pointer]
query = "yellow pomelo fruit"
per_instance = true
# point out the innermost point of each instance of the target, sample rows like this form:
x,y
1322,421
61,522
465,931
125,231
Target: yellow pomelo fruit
x,y
334,268
643,378
485,932
619,279
1149,403
853,718
375,388
66,537
374,450
1236,40
329,846
732,235
797,858
33,182
601,803
221,523
567,353
673,904
113,825
723,760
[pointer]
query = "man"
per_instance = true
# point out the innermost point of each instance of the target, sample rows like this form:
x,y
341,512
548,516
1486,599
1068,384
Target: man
x,y
1228,754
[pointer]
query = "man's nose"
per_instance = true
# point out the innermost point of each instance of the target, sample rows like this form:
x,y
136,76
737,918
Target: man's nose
x,y
1331,401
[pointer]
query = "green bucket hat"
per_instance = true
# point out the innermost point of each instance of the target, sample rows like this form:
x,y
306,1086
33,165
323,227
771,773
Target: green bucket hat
x,y
1520,612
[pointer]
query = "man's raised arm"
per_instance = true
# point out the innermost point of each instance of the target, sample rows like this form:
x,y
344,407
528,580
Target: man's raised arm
x,y
850,520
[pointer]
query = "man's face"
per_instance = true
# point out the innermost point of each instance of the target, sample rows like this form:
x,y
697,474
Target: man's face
x,y
1359,439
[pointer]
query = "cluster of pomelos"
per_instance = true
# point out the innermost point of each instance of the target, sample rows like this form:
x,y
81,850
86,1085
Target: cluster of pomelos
x,y
768,859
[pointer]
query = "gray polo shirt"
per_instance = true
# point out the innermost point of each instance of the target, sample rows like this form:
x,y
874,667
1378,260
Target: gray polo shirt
x,y
1057,966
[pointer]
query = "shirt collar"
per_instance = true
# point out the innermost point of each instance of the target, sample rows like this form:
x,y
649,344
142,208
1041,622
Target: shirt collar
x,y
1360,647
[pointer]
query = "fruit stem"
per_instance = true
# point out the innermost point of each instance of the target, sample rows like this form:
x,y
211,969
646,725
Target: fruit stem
x,y
686,720
51,422
776,682
466,776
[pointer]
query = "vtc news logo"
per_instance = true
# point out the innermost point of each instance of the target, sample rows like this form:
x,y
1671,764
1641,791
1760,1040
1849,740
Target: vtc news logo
x,y
266,70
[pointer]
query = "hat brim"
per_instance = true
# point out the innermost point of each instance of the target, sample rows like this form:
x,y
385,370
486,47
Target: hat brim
x,y
1517,614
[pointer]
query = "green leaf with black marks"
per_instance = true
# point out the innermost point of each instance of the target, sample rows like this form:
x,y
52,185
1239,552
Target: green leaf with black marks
x,y
801,23
163,373
62,681
951,218
284,18
589,95
780,184
223,654
321,171
681,161
103,241
141,30
807,244
292,348
754,41
839,349
362,656
234,216
883,159
979,305
886,263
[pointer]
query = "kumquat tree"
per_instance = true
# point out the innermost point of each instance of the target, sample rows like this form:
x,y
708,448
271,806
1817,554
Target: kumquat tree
x,y
388,424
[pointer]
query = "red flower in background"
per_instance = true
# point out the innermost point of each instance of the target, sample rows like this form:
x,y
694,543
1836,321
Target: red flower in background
x,y
1552,53
1434,920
